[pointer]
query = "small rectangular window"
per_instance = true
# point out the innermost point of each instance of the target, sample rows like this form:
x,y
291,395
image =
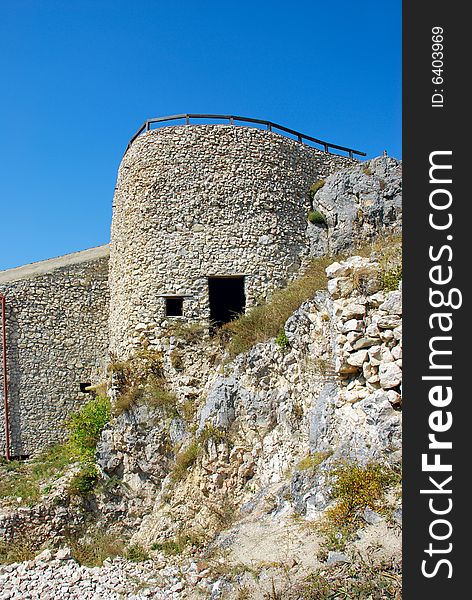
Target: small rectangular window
x,y
174,307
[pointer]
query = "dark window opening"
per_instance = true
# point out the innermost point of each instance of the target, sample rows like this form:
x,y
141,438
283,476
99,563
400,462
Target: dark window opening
x,y
174,307
227,299
84,387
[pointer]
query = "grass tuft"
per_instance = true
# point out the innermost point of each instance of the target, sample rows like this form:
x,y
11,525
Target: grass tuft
x,y
22,548
316,217
178,545
319,183
136,553
356,581
92,550
313,461
188,332
185,459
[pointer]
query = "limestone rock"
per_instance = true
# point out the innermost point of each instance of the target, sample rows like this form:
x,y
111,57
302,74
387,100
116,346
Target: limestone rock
x,y
357,358
393,304
390,375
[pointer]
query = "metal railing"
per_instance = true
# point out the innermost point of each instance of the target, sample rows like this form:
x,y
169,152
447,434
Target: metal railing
x,y
233,119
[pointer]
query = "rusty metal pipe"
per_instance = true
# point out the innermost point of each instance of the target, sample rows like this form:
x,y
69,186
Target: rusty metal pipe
x,y
5,376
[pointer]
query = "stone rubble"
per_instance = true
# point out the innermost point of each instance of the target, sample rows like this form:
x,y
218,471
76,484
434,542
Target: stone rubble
x,y
57,576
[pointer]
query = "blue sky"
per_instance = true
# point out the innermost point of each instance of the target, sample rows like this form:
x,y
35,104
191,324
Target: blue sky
x,y
80,76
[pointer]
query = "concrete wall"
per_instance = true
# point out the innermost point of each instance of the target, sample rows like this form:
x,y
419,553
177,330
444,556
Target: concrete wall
x,y
57,337
206,200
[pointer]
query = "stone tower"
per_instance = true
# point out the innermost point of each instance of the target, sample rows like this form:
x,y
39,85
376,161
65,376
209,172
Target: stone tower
x,y
208,220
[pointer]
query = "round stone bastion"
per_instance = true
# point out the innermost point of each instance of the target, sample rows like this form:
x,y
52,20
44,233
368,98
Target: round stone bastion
x,y
208,220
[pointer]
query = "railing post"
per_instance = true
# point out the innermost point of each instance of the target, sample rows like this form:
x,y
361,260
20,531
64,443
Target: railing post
x,y
269,126
325,147
186,119
148,126
300,139
350,154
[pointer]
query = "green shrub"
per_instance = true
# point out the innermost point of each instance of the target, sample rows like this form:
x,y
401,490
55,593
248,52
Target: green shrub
x,y
317,218
136,553
85,426
356,488
282,340
83,482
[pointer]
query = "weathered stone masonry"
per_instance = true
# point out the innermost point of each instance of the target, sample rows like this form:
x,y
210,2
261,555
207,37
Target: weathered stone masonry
x,y
203,201
57,337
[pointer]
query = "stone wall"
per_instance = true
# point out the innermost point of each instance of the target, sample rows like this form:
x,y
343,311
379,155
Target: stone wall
x,y
57,338
206,200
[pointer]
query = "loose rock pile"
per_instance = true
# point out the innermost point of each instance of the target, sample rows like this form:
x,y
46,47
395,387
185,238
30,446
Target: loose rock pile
x,y
58,576
368,344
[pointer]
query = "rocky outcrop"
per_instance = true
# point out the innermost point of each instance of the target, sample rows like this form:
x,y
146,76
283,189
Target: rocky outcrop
x,y
357,204
334,392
